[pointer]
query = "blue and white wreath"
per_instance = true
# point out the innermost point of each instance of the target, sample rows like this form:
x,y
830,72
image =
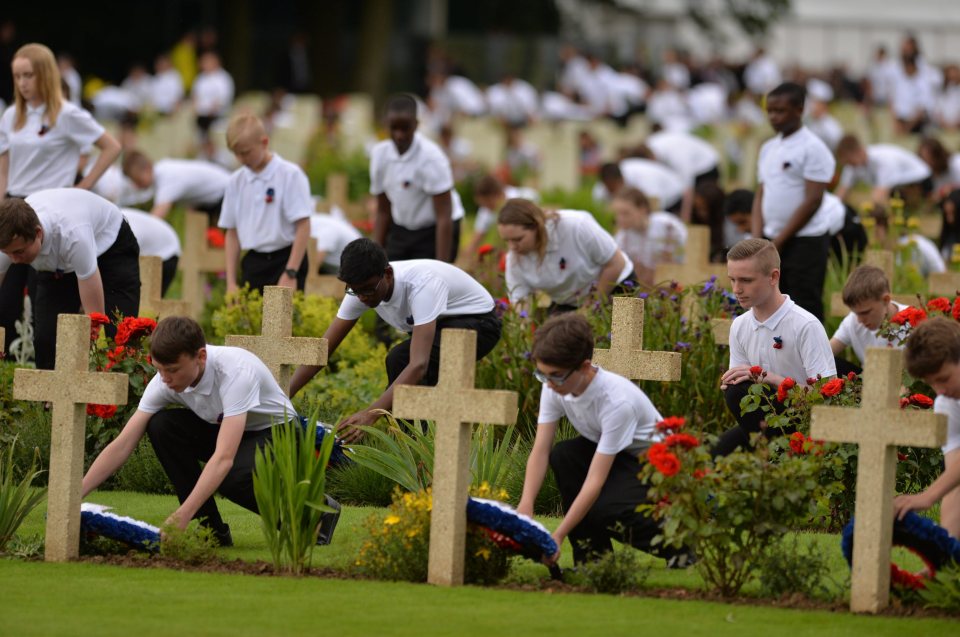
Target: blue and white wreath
x,y
97,519
921,535
534,539
337,456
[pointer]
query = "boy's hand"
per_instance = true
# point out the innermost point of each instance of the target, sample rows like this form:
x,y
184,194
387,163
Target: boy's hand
x,y
349,428
903,504
287,281
550,560
735,375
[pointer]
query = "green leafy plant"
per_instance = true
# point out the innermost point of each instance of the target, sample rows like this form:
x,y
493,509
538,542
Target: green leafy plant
x,y
289,481
194,545
790,566
614,573
17,496
943,591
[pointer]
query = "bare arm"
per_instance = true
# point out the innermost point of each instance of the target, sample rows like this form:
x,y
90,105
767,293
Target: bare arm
x,y
686,205
336,332
537,465
297,251
947,482
4,174
109,151
91,293
216,469
231,247
837,346
161,209
756,215
383,219
812,197
443,208
116,453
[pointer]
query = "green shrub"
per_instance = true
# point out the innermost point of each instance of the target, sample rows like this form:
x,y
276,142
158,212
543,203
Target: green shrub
x,y
17,496
143,473
289,482
194,545
943,591
790,566
615,572
397,547
353,483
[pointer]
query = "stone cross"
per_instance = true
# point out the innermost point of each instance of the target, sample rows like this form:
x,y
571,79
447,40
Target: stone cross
x,y
152,302
626,355
877,427
453,404
338,194
721,330
70,386
883,259
944,283
275,346
321,284
197,260
696,266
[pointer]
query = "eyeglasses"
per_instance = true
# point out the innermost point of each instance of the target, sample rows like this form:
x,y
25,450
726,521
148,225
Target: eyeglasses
x,y
368,292
556,379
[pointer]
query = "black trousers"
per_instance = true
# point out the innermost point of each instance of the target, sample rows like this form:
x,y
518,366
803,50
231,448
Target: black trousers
x,y
20,279
803,268
738,437
57,293
614,515
182,440
260,269
403,244
711,176
487,327
168,272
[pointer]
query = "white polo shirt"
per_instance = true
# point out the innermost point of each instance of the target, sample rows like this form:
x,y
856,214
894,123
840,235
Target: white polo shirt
x,y
411,180
515,102
156,237
234,382
424,290
577,250
924,254
950,407
612,412
193,182
332,236
853,334
662,242
888,166
805,350
166,90
264,207
212,93
654,180
114,186
784,167
687,154
487,218
78,226
39,162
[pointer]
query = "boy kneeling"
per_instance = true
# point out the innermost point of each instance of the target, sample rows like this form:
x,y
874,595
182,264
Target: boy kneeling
x,y
597,471
232,403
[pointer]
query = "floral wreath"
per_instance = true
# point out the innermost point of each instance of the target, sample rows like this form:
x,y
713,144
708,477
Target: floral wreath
x,y
95,519
337,455
930,542
511,530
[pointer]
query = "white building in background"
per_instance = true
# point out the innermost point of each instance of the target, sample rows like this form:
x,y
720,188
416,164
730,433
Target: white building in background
x,y
818,34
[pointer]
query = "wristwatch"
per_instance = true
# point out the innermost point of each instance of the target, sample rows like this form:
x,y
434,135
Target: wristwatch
x,y
290,272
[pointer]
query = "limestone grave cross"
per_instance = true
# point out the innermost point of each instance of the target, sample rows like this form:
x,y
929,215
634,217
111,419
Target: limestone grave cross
x,y
944,283
696,266
626,355
454,404
883,259
276,346
321,284
152,302
70,386
877,427
198,259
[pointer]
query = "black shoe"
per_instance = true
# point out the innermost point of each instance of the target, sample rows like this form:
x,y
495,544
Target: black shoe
x,y
328,522
681,560
222,536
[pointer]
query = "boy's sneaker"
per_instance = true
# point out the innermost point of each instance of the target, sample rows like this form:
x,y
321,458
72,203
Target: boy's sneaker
x,y
328,522
681,560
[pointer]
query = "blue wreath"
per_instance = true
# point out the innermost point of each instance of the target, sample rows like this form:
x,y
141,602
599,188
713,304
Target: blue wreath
x,y
96,519
919,534
497,516
337,456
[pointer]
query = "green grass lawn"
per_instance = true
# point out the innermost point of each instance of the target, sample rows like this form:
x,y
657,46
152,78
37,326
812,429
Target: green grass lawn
x,y
90,599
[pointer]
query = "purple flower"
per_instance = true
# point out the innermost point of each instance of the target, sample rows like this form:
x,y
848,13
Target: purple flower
x,y
681,346
643,295
674,298
523,314
627,284
683,320
527,355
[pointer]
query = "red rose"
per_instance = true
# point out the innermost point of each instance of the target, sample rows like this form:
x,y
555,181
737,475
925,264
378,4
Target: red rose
x,y
216,238
102,411
832,388
901,457
787,384
666,463
921,401
851,376
502,265
96,321
134,328
486,248
904,401
956,309
797,441
681,440
655,450
912,315
671,423
939,304
700,473
756,370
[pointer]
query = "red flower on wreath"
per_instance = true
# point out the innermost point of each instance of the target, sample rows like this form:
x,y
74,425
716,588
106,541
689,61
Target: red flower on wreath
x,y
921,401
102,411
912,315
681,440
832,387
939,304
785,386
134,328
671,424
903,579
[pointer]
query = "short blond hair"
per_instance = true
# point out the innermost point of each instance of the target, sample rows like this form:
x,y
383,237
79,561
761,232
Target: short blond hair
x,y
762,250
866,283
244,126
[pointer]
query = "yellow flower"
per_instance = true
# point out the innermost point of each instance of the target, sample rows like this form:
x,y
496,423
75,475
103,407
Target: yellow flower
x,y
866,207
483,552
412,533
391,520
898,220
868,222
896,203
